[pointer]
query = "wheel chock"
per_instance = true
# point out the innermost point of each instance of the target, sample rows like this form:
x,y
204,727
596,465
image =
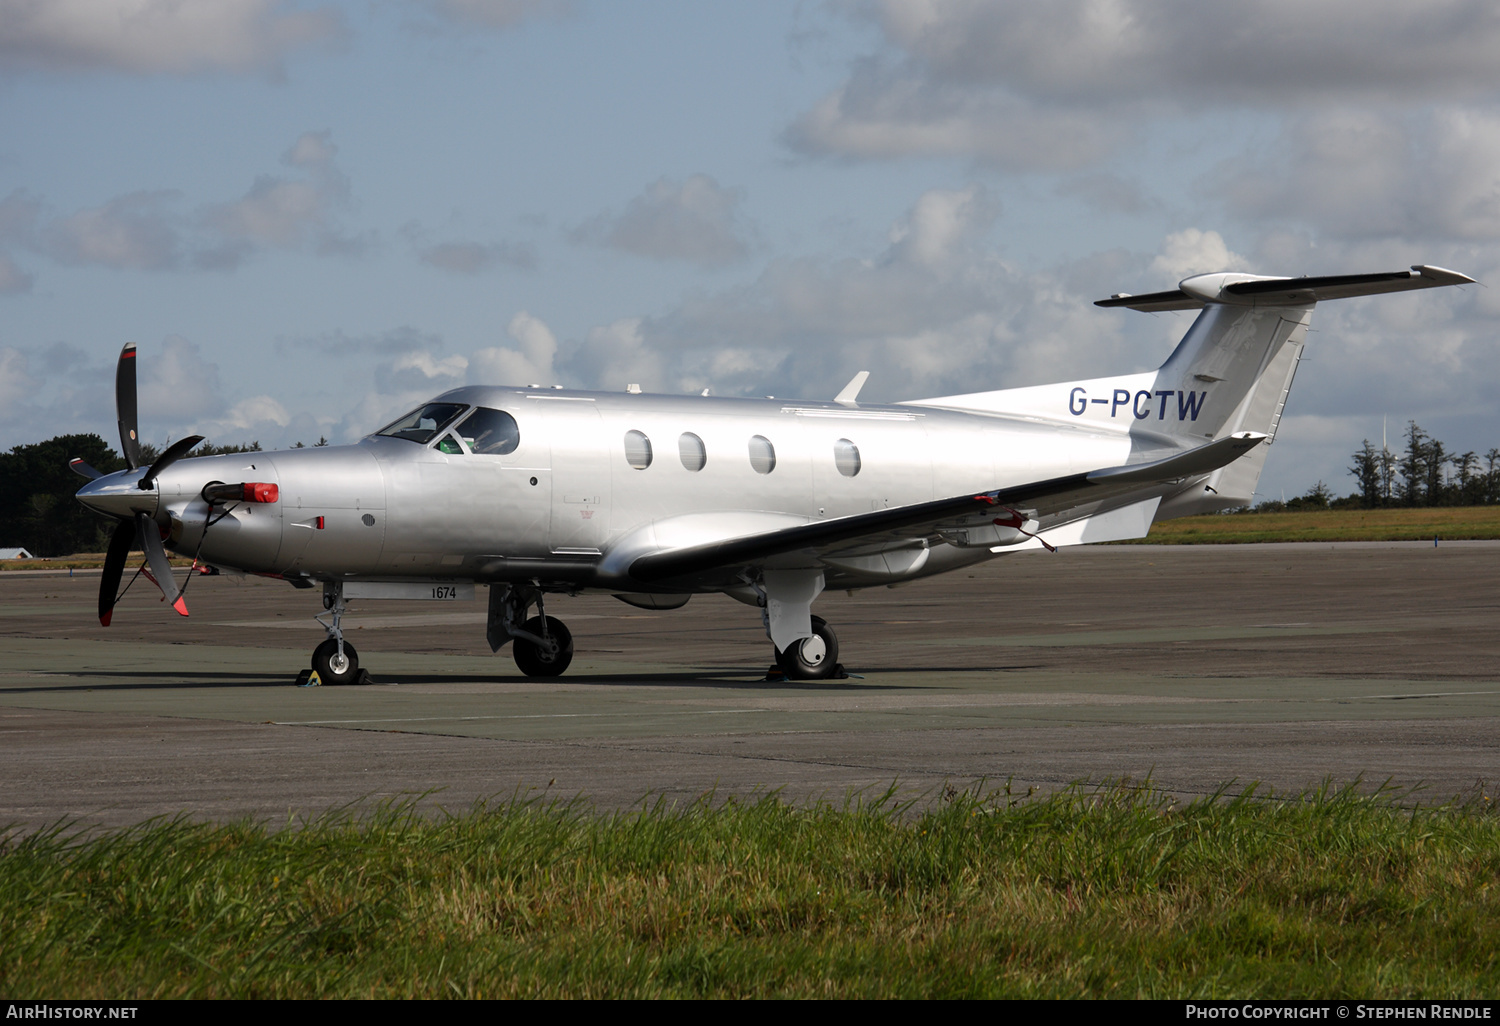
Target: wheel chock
x,y
309,679
363,677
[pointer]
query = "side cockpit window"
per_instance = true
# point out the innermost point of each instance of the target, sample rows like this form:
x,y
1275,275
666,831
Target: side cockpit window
x,y
490,432
422,425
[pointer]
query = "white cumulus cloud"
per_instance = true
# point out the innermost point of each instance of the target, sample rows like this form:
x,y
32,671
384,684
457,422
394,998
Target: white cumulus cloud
x,y
695,220
528,363
158,36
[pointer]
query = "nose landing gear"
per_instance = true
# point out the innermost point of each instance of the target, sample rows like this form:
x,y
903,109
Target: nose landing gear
x,y
335,660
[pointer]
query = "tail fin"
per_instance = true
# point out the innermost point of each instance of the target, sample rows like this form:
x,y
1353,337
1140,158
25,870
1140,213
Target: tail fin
x,y
1240,356
1231,372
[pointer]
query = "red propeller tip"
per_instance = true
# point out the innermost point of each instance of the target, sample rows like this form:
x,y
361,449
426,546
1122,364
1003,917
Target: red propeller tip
x,y
180,606
104,620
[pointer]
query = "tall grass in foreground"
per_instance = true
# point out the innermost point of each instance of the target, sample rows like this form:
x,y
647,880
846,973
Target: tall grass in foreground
x,y
1106,892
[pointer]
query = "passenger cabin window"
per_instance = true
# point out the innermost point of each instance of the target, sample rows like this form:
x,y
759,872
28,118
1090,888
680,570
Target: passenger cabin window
x,y
490,432
846,457
690,450
422,425
637,450
762,454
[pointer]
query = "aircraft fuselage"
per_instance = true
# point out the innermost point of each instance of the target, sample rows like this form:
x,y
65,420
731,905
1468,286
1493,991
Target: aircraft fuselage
x,y
598,478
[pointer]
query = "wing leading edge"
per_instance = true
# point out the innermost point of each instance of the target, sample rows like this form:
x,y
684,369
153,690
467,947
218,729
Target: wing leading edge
x,y
1043,498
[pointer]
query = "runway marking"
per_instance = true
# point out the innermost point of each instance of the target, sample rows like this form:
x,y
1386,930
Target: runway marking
x,y
1126,636
1433,694
520,716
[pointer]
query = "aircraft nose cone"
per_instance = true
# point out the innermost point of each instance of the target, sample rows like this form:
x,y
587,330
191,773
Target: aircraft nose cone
x,y
119,495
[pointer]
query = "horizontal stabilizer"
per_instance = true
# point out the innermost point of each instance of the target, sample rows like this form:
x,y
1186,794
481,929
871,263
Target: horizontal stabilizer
x,y
1255,290
1203,460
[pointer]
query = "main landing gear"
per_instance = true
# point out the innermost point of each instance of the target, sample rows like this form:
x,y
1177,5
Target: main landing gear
x,y
785,598
543,647
814,658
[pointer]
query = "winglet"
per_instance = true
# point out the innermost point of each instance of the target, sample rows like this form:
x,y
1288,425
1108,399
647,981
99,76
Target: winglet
x,y
850,392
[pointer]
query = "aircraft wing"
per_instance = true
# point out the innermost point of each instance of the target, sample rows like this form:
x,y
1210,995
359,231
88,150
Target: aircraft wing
x,y
1040,499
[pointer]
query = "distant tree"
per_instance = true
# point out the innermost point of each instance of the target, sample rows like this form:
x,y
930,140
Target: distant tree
x,y
1414,466
1436,487
207,448
1469,488
1366,471
37,508
1316,497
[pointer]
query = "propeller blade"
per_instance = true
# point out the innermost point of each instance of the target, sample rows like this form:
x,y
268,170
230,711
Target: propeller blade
x,y
130,441
82,469
174,453
114,565
156,559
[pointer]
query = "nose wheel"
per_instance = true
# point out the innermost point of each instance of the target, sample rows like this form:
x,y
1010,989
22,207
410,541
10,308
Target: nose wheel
x,y
334,666
334,661
814,658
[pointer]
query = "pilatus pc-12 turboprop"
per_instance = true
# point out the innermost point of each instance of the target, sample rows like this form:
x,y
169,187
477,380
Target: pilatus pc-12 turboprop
x,y
655,498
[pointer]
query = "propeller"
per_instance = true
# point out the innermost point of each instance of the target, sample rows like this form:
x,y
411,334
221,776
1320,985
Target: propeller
x,y
174,452
130,441
135,527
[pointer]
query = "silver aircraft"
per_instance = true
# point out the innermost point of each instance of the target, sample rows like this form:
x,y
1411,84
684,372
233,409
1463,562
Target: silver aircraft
x,y
537,492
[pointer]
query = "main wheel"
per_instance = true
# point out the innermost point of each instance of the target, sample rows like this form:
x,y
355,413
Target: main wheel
x,y
333,668
813,658
534,660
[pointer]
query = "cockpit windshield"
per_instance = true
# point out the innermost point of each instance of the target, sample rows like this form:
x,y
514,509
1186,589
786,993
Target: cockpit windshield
x,y
421,425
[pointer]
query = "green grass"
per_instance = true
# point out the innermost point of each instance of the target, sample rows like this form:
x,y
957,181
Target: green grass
x,y
1108,892
1451,523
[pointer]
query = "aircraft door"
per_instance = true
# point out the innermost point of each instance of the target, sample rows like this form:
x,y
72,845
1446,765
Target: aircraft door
x,y
580,475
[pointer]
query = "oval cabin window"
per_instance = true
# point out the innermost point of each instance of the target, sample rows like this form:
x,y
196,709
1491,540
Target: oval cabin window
x,y
846,457
762,454
690,448
637,450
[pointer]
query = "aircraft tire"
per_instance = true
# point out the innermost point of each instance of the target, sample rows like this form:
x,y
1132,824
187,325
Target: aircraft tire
x,y
814,658
330,669
535,661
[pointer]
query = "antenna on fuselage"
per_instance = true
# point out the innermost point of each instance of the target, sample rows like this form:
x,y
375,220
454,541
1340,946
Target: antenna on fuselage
x,y
850,392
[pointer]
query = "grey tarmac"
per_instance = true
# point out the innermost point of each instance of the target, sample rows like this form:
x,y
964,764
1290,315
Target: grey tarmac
x,y
1193,666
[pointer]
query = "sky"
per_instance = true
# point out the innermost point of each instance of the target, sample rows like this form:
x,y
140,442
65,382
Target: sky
x,y
312,216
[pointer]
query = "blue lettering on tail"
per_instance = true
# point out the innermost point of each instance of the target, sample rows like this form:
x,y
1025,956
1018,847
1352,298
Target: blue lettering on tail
x,y
1190,403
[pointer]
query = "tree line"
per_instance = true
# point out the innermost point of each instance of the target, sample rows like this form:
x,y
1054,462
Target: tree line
x,y
1425,473
37,510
